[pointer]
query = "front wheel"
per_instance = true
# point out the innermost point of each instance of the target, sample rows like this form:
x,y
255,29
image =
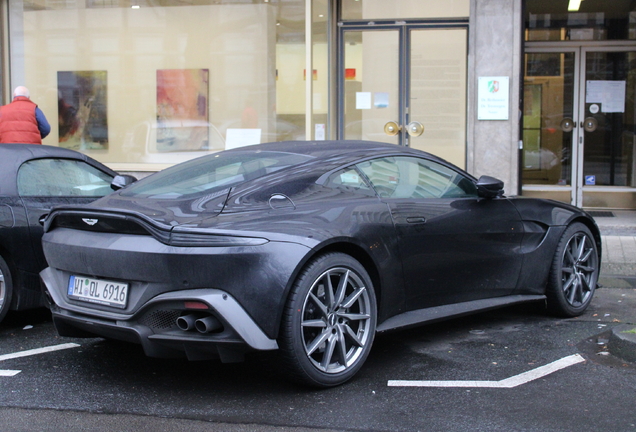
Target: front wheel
x,y
6,288
574,272
329,322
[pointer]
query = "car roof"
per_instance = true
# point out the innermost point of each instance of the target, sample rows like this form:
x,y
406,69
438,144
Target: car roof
x,y
343,150
23,152
320,149
12,156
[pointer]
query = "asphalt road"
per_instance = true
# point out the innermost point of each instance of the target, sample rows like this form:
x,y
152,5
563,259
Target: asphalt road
x,y
109,386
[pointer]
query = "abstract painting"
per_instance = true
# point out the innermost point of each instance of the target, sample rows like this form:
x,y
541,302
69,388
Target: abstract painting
x,y
182,109
82,110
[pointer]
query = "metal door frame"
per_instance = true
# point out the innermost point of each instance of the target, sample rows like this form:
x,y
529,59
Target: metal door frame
x,y
404,28
551,48
580,50
585,48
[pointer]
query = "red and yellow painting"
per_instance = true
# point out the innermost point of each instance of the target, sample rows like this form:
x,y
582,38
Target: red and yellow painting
x,y
182,109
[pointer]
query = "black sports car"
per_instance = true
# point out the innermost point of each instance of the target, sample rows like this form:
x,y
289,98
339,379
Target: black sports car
x,y
310,248
33,178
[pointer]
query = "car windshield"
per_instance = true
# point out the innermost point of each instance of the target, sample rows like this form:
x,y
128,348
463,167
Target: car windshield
x,y
212,173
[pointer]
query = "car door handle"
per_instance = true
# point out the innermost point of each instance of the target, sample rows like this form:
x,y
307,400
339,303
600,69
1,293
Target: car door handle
x,y
416,219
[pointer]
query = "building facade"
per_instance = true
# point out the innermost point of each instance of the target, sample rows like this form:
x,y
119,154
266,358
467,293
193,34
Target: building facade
x,y
526,91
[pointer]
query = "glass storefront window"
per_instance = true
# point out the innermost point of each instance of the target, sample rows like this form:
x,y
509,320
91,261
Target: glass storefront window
x,y
547,20
141,82
404,9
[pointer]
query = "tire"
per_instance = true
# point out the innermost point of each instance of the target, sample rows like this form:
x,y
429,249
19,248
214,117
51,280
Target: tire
x,y
574,272
6,289
329,321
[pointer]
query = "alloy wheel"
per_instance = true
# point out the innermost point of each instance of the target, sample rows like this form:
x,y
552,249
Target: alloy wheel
x,y
336,320
578,269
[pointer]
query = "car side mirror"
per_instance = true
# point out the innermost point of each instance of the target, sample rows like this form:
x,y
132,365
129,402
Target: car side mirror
x,y
121,181
489,187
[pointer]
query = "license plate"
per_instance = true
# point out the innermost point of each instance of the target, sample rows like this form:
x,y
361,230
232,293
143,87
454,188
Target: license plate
x,y
98,291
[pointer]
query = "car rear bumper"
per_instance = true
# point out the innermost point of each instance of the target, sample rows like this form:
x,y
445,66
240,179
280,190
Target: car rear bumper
x,y
155,325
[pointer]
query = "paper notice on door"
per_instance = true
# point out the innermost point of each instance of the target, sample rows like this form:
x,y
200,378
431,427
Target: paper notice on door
x,y
610,94
363,100
381,100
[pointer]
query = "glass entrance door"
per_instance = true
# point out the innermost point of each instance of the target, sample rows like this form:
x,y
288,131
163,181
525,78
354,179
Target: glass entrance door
x,y
405,84
549,123
579,124
607,176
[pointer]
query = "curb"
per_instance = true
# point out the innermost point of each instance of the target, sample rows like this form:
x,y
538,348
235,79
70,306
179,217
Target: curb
x,y
622,342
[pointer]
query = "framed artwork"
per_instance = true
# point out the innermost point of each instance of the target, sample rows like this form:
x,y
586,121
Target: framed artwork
x,y
182,109
82,110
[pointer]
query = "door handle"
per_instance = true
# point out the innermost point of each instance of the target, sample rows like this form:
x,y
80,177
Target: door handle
x,y
392,128
590,124
567,124
415,129
416,219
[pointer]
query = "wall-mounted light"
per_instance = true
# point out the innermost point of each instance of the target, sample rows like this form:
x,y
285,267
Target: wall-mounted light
x,y
574,5
135,6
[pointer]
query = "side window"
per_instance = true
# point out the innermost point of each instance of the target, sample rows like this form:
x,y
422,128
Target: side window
x,y
62,177
349,179
409,177
383,174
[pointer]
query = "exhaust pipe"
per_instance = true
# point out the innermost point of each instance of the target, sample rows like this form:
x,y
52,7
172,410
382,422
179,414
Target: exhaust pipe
x,y
186,322
207,324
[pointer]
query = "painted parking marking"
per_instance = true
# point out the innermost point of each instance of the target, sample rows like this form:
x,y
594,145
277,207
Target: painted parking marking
x,y
511,382
8,372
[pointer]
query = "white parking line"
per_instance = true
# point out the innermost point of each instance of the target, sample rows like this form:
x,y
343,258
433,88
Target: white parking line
x,y
511,382
8,372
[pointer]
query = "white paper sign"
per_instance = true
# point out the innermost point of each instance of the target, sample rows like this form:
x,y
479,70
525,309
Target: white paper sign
x,y
363,100
493,100
241,137
320,131
610,94
381,100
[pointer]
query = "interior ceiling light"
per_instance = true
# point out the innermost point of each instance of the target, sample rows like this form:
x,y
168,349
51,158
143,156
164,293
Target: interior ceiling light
x,y
135,6
574,5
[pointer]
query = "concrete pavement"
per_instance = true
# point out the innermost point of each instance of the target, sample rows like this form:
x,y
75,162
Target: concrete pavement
x,y
618,271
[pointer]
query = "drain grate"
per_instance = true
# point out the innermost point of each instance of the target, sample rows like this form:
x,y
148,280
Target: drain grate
x,y
601,213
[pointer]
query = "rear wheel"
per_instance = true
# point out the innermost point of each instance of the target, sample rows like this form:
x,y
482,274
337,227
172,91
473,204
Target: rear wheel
x,y
6,289
574,272
329,322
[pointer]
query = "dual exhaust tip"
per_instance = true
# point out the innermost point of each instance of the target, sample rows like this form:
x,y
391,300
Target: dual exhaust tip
x,y
203,324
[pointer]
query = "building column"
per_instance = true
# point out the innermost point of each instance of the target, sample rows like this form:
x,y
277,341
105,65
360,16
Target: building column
x,y
495,49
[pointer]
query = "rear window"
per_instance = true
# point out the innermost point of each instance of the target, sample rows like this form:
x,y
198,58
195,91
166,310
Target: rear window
x,y
212,173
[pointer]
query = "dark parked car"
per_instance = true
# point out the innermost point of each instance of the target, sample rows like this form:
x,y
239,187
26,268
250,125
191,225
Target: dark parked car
x,y
310,248
34,178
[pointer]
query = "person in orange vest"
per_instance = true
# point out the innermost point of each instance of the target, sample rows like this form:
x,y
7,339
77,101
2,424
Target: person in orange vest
x,y
22,121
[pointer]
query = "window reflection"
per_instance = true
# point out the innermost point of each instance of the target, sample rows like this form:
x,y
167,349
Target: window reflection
x,y
165,81
547,20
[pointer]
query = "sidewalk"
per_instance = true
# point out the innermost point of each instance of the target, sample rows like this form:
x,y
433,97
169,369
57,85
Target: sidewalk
x,y
619,242
618,270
